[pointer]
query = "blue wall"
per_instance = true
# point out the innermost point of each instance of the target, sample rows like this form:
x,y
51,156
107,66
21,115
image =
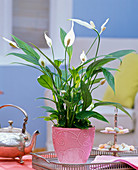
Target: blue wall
x,y
21,88
123,16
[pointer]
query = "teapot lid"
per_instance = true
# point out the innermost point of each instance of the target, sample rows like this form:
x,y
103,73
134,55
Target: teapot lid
x,y
10,128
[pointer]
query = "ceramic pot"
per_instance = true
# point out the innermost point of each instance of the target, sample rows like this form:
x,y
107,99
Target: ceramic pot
x,y
73,145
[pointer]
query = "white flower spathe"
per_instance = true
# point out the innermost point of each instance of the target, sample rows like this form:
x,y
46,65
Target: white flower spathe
x,y
70,37
63,91
42,61
48,40
12,43
85,24
83,57
103,26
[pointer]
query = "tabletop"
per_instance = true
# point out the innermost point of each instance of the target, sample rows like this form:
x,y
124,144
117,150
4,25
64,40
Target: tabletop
x,y
9,163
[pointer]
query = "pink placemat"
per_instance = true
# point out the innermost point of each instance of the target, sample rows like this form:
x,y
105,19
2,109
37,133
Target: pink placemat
x,y
132,161
9,163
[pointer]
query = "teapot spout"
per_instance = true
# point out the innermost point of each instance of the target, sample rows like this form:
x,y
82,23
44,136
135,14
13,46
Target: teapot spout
x,y
31,144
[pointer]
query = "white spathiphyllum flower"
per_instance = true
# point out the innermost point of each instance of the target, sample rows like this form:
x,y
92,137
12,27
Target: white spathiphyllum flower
x,y
103,26
83,57
92,24
70,37
12,43
48,40
85,24
42,61
62,92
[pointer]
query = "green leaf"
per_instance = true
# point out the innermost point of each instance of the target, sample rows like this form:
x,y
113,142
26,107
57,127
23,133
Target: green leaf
x,y
69,49
97,80
121,53
82,71
45,98
62,36
88,114
108,58
98,63
89,74
61,123
48,72
89,60
80,126
86,96
57,82
82,123
97,100
54,116
75,76
118,105
26,48
76,98
112,69
28,58
58,62
64,75
73,72
56,75
46,118
110,78
45,81
49,109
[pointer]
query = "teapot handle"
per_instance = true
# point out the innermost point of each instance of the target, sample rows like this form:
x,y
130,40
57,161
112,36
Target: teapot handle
x,y
25,114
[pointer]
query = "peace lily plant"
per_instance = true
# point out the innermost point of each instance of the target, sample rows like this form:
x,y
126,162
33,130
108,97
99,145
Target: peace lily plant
x,y
72,88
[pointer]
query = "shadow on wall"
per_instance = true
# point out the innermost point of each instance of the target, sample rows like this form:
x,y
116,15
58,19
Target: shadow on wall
x,y
21,88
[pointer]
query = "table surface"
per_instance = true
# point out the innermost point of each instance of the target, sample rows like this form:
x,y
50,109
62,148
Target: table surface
x,y
9,163
13,164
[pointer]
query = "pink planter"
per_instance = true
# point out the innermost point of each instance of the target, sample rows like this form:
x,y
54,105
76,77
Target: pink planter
x,y
73,145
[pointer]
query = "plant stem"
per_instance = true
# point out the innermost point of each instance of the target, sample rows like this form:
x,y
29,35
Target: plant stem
x,y
82,73
69,63
97,45
68,116
95,88
72,119
93,80
91,45
98,36
53,57
53,122
97,49
53,53
66,63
